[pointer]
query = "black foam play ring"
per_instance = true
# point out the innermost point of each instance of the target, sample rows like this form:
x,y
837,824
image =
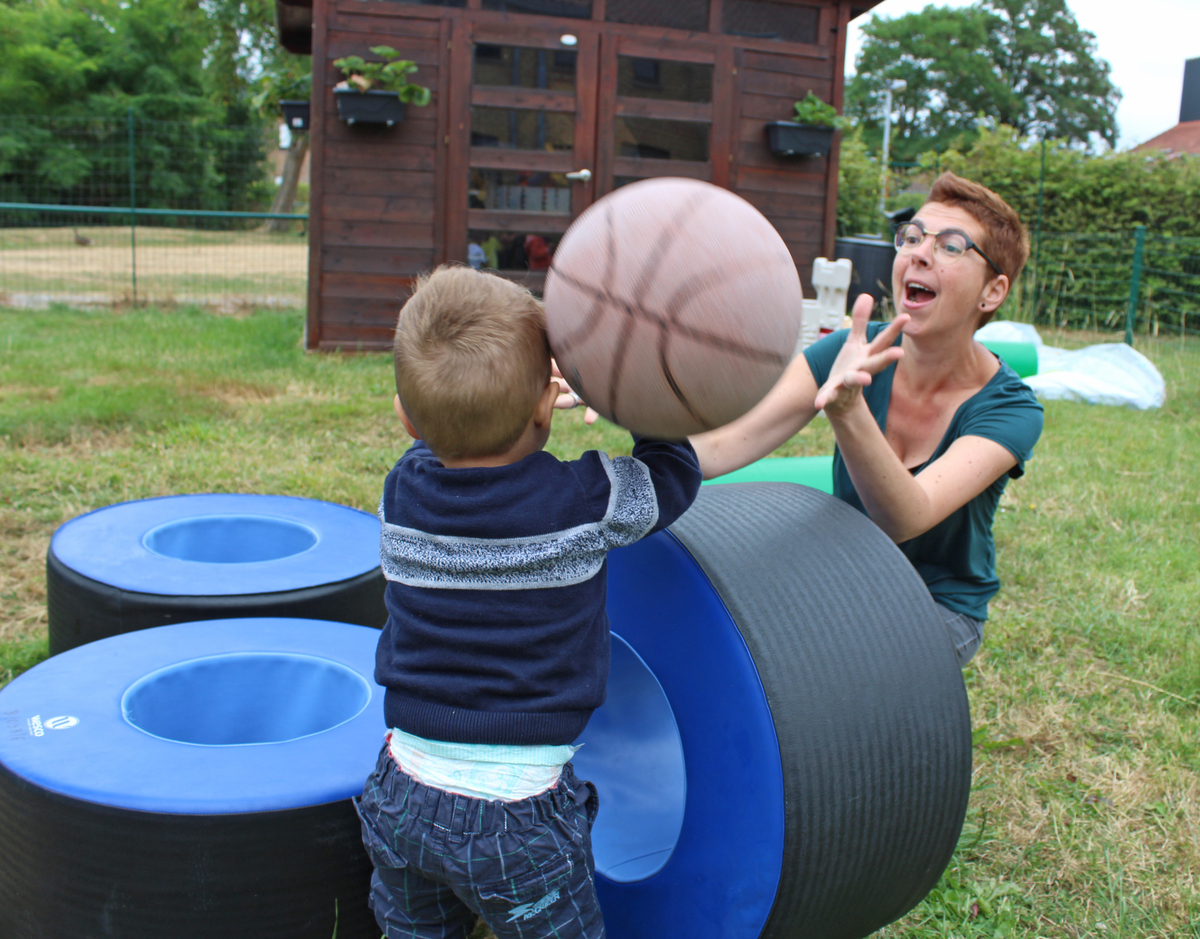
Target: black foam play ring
x,y
231,866
103,576
123,814
821,715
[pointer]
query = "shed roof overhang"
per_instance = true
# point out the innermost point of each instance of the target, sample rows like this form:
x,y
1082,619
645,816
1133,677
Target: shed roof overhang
x,y
293,22
293,25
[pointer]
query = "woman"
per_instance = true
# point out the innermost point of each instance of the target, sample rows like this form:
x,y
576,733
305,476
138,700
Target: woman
x,y
929,424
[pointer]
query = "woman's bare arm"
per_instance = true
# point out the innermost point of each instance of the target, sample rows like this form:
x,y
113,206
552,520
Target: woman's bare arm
x,y
904,505
901,504
795,400
783,412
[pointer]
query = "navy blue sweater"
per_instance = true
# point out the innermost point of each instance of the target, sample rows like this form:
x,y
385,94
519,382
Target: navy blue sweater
x,y
496,630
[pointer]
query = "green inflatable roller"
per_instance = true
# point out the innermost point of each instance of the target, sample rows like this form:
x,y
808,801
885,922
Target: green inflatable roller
x,y
814,471
1021,357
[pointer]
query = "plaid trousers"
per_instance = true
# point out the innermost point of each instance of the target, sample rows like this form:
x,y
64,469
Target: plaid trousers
x,y
441,859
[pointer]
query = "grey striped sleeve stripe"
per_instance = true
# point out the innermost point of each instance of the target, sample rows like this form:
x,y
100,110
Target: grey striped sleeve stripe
x,y
555,559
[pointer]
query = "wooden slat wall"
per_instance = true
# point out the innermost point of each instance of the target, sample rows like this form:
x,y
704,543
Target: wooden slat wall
x,y
377,191
386,208
790,191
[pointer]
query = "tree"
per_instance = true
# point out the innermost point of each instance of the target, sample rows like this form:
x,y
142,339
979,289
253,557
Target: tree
x,y
72,72
858,188
1053,84
939,54
253,73
1023,63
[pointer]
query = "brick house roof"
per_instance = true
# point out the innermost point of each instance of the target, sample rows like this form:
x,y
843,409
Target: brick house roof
x,y
1182,138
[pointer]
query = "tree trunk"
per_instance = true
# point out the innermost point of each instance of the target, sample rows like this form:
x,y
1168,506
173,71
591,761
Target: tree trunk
x,y
285,196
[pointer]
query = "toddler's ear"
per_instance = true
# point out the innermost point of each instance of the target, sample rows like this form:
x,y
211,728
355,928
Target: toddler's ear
x,y
543,414
408,425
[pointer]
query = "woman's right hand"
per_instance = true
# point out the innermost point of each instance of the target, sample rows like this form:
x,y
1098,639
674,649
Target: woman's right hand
x,y
859,360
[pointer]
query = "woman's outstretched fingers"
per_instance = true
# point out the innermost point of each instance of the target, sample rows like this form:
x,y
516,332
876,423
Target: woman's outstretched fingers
x,y
861,311
888,334
878,359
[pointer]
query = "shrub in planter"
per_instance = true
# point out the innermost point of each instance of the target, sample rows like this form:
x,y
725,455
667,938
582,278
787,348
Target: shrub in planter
x,y
377,92
809,133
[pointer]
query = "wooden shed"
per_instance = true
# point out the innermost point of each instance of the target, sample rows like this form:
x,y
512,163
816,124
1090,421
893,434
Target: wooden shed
x,y
539,108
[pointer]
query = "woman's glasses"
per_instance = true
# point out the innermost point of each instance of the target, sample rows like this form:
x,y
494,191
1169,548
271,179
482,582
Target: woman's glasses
x,y
948,245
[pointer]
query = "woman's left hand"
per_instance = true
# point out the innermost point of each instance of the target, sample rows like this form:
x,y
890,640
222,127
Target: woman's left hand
x,y
567,398
859,360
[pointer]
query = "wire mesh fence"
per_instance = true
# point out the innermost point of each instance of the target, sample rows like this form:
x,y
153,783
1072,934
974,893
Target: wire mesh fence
x,y
112,211
1106,281
99,211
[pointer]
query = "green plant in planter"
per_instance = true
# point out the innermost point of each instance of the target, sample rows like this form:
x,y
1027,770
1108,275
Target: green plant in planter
x,y
389,75
812,110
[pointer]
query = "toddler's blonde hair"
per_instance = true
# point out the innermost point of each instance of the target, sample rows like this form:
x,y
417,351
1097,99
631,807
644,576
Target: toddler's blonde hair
x,y
471,360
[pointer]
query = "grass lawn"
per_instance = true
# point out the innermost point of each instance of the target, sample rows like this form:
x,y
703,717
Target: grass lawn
x,y
1085,812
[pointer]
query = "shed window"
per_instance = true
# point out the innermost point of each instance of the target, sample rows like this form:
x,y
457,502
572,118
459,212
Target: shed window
x,y
654,139
574,9
664,79
521,129
512,250
678,14
765,19
516,67
519,191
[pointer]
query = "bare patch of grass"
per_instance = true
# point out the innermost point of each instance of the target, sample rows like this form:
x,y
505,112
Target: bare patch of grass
x,y
40,266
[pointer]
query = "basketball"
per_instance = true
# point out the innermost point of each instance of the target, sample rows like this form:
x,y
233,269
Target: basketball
x,y
672,307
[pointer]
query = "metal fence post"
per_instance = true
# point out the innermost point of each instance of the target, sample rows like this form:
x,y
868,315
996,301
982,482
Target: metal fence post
x,y
1135,282
1037,238
132,210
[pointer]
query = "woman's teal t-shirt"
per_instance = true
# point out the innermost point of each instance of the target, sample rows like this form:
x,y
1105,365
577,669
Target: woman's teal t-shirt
x,y
957,557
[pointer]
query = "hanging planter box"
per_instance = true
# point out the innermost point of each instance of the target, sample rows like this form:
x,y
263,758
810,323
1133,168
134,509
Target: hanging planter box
x,y
369,107
787,138
295,114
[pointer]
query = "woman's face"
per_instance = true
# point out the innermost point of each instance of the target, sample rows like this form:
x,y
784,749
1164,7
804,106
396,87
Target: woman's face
x,y
939,295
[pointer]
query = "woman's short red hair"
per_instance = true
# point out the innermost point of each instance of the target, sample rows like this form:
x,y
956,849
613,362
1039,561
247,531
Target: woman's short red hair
x,y
1005,239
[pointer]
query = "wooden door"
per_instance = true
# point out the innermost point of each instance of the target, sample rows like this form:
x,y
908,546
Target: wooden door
x,y
664,109
526,145
551,119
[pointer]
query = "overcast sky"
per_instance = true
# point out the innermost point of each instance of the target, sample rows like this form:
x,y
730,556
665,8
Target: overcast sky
x,y
1145,43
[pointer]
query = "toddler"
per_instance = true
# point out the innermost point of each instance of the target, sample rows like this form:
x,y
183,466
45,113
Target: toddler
x,y
496,648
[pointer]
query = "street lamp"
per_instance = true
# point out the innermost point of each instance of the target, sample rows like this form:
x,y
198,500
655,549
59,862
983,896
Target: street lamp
x,y
898,85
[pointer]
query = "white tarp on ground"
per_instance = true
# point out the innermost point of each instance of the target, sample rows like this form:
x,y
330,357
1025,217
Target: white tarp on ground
x,y
1110,373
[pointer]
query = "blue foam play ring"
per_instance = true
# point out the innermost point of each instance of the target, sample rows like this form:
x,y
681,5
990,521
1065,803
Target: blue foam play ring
x,y
105,758
285,543
664,606
231,817
822,719
151,562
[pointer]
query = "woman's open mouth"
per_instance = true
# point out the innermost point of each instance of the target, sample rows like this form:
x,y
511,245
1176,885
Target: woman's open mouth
x,y
918,294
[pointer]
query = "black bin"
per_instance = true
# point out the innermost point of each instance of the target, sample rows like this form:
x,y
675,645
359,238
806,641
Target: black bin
x,y
872,259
